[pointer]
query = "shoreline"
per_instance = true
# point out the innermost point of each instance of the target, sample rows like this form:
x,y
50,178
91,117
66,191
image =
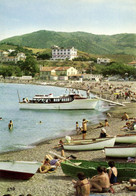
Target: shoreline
x,y
54,183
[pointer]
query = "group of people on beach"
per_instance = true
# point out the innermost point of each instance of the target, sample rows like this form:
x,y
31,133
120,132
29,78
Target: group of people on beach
x,y
101,183
130,123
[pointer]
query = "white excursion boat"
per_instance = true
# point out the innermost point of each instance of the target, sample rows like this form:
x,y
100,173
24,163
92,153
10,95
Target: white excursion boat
x,y
121,151
73,101
97,144
126,138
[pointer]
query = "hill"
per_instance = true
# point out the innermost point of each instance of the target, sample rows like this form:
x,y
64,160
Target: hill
x,y
86,42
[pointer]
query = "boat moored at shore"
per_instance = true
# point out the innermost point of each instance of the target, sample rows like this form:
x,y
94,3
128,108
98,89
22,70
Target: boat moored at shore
x,y
97,144
72,101
22,170
89,168
126,138
121,151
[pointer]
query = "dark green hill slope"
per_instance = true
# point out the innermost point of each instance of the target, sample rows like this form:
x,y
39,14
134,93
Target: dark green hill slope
x,y
87,42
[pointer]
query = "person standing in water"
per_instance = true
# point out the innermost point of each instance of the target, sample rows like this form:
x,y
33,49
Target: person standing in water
x,y
10,125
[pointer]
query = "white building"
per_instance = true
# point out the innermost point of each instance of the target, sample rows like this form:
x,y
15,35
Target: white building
x,y
103,60
62,54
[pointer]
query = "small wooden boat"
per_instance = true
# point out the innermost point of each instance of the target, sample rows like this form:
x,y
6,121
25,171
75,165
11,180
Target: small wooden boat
x,y
126,138
97,144
121,151
72,167
22,170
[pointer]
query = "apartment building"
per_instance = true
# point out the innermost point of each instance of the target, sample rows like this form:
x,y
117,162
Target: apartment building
x,y
63,53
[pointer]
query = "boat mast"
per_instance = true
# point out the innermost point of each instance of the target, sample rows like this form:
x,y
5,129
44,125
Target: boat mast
x,y
18,96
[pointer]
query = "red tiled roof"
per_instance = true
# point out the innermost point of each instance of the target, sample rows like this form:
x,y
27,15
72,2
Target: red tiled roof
x,y
54,68
47,68
61,68
133,62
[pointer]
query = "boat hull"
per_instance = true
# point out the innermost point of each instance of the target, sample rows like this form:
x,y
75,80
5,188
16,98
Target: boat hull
x,y
18,169
121,152
77,104
128,139
89,168
97,145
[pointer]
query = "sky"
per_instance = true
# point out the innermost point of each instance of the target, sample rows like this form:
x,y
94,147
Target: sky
x,y
18,17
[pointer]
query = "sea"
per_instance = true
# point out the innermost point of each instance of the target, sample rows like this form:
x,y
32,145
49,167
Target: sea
x,y
27,130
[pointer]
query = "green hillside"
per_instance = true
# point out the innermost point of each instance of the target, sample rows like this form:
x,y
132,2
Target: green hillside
x,y
86,42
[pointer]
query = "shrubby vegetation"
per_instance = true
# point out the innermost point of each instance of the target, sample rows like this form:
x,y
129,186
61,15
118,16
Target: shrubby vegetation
x,y
28,68
116,69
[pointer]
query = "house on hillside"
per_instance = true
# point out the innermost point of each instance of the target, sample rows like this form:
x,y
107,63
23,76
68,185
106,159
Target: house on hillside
x,y
55,73
103,60
20,57
8,59
5,57
63,53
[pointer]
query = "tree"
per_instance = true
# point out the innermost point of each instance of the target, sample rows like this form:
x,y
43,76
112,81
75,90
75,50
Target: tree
x,y
6,71
118,69
29,67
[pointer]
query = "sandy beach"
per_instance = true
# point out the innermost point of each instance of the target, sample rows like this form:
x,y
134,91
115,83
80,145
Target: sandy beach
x,y
57,184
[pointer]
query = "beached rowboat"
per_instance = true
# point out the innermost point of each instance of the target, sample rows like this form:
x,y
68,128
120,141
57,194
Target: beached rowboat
x,y
127,138
64,102
97,144
121,151
71,168
18,169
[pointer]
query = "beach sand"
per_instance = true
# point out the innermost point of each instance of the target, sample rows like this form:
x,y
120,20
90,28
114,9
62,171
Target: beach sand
x,y
57,184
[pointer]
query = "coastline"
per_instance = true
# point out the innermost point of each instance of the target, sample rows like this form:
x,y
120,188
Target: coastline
x,y
51,184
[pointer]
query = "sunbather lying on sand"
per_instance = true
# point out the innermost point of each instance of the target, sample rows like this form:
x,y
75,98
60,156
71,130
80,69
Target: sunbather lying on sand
x,y
49,164
131,187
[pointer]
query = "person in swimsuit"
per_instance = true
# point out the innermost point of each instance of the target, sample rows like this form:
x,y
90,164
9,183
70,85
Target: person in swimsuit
x,y
106,123
10,125
112,172
45,167
82,186
77,128
103,133
84,126
100,183
125,116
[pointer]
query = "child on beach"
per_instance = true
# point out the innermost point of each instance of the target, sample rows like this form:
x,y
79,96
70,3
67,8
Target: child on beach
x,y
77,128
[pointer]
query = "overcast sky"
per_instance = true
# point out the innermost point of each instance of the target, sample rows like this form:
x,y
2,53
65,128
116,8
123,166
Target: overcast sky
x,y
108,17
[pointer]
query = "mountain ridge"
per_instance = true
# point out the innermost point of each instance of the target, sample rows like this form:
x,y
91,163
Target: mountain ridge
x,y
124,43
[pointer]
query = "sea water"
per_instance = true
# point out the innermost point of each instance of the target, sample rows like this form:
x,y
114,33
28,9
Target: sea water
x,y
27,129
